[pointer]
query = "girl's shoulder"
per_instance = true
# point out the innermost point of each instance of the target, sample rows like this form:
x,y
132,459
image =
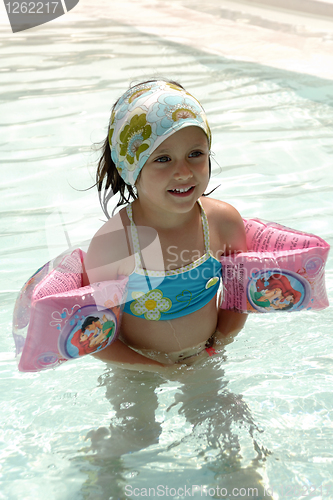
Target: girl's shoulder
x,y
225,223
219,212
108,249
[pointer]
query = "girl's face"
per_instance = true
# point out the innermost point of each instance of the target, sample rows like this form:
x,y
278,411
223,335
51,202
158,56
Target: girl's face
x,y
177,172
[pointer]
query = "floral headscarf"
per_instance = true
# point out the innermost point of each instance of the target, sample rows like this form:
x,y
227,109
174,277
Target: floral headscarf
x,y
144,117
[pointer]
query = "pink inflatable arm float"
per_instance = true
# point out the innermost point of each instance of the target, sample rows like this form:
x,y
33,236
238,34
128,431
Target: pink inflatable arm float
x,y
283,270
56,319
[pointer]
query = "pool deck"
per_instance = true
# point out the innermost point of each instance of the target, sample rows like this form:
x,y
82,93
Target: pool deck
x,y
294,35
314,7
255,32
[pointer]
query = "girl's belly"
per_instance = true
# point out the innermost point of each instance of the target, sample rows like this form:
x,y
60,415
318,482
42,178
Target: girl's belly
x,y
170,339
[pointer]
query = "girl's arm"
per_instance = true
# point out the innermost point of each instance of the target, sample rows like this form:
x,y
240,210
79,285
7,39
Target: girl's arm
x,y
233,234
229,323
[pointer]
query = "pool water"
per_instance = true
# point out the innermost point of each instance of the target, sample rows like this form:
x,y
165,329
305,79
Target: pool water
x,y
259,417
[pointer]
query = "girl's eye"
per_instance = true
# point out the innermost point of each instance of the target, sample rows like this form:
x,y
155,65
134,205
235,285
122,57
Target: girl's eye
x,y
163,159
195,154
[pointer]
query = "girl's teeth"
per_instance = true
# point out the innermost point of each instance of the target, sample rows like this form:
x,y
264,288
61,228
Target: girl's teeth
x,y
181,190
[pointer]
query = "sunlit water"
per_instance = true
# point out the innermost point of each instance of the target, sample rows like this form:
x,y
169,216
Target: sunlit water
x,y
261,414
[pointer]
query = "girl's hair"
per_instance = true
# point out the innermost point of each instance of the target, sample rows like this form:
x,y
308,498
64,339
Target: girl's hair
x,y
108,180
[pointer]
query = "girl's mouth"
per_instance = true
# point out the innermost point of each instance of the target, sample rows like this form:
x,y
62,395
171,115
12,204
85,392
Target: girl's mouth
x,y
181,192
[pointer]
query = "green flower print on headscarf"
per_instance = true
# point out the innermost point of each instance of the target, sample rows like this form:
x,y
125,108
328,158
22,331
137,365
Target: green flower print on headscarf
x,y
182,114
144,117
132,138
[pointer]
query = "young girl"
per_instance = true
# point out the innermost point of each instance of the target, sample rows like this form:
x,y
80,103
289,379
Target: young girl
x,y
168,241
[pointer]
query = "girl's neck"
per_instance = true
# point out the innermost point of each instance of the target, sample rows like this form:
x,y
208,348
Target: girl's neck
x,y
162,220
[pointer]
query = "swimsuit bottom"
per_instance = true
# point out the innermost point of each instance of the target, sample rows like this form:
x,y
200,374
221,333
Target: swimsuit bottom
x,y
182,356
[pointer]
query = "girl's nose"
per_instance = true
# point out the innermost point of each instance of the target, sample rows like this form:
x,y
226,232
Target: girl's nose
x,y
182,171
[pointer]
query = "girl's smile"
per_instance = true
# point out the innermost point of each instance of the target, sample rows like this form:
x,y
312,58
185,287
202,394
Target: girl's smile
x,y
182,191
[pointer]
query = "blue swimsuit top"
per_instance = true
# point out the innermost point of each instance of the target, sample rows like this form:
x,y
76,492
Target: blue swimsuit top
x,y
165,295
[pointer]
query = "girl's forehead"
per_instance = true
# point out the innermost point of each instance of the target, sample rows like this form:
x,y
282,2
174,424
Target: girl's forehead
x,y
189,137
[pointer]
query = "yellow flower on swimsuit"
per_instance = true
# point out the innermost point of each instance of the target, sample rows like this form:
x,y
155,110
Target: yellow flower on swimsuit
x,y
150,304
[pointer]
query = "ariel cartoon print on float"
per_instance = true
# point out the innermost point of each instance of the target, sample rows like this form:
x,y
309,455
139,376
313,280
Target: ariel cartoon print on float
x,y
278,291
93,335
